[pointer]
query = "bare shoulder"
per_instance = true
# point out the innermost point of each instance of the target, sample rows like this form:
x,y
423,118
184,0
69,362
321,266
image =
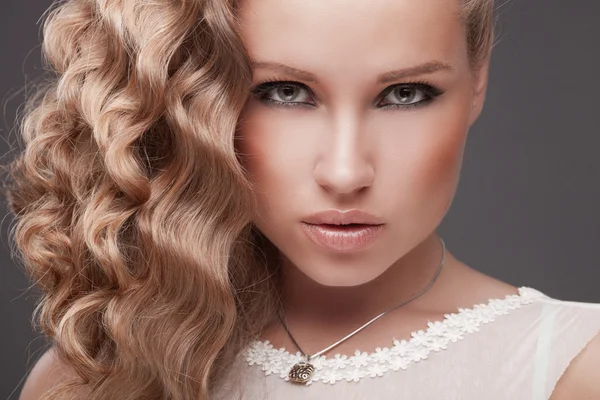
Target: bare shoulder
x,y
581,379
45,374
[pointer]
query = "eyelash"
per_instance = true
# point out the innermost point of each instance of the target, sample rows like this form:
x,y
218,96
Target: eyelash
x,y
262,88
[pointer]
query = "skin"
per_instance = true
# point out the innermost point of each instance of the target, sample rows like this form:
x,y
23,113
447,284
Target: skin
x,y
345,150
341,148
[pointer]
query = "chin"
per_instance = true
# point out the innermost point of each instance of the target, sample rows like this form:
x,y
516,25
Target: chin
x,y
342,276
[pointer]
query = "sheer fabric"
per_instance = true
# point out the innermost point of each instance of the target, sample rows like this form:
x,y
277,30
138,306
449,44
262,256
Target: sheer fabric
x,y
511,348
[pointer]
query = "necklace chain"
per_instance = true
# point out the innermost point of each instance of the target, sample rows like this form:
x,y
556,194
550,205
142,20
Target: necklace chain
x,y
414,296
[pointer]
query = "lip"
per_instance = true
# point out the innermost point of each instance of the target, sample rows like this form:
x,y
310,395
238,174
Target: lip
x,y
336,217
332,229
342,238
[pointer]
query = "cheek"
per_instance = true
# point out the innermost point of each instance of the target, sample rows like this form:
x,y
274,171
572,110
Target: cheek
x,y
436,172
442,160
253,144
273,152
423,161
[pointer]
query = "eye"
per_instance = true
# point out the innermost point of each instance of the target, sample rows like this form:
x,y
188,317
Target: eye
x,y
285,93
409,94
294,94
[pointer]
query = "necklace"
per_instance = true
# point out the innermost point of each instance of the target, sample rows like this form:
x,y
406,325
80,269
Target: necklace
x,y
302,371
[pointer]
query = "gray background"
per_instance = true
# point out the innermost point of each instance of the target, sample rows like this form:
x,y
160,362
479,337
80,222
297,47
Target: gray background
x,y
526,208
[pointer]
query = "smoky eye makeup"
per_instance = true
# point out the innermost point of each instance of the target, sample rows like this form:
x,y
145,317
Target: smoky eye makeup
x,y
284,89
285,93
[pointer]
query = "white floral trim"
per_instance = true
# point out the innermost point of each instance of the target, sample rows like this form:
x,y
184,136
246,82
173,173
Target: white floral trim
x,y
434,338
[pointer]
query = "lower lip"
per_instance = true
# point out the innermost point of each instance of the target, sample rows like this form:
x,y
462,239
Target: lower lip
x,y
342,238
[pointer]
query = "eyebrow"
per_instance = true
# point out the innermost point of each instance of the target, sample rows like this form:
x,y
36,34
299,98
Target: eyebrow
x,y
421,69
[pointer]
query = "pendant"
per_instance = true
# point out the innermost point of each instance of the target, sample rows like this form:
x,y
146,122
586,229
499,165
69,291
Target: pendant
x,y
301,372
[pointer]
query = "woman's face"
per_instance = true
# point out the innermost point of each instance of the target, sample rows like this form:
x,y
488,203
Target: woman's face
x,y
373,116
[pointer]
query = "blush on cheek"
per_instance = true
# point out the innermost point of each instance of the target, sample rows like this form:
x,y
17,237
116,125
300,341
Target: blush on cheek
x,y
250,142
441,168
446,156
431,179
278,146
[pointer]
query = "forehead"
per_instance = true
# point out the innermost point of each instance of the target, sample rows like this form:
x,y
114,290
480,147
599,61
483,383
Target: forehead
x,y
353,36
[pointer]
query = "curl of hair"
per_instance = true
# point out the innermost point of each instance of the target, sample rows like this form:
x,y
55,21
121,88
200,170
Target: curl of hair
x,y
132,210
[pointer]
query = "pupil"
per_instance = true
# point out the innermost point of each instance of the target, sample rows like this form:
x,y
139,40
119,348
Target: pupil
x,y
405,93
288,91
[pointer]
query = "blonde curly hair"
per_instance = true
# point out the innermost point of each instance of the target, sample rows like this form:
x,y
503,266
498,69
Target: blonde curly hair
x,y
132,210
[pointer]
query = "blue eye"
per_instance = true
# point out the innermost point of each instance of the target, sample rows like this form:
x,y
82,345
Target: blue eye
x,y
295,94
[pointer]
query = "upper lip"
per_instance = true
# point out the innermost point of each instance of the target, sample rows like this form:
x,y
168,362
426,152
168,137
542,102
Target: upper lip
x,y
337,217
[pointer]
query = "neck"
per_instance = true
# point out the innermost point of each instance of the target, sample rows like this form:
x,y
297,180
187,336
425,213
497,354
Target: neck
x,y
307,300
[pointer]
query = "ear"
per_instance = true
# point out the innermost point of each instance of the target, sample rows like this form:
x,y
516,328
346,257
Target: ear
x,y
480,81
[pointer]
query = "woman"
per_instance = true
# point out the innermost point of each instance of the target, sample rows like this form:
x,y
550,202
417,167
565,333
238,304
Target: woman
x,y
240,201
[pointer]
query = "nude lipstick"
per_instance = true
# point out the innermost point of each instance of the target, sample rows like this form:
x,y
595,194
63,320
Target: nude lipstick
x,y
343,232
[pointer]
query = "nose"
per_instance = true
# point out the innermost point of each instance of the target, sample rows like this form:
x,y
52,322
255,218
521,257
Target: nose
x,y
345,164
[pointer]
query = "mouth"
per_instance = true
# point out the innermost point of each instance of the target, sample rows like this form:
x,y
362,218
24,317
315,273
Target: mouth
x,y
344,227
343,238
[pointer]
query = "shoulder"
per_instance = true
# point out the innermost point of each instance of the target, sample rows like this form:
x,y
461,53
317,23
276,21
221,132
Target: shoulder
x,y
570,332
581,379
47,372
572,314
581,325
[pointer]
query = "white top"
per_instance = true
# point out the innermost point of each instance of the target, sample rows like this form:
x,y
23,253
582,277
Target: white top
x,y
511,348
